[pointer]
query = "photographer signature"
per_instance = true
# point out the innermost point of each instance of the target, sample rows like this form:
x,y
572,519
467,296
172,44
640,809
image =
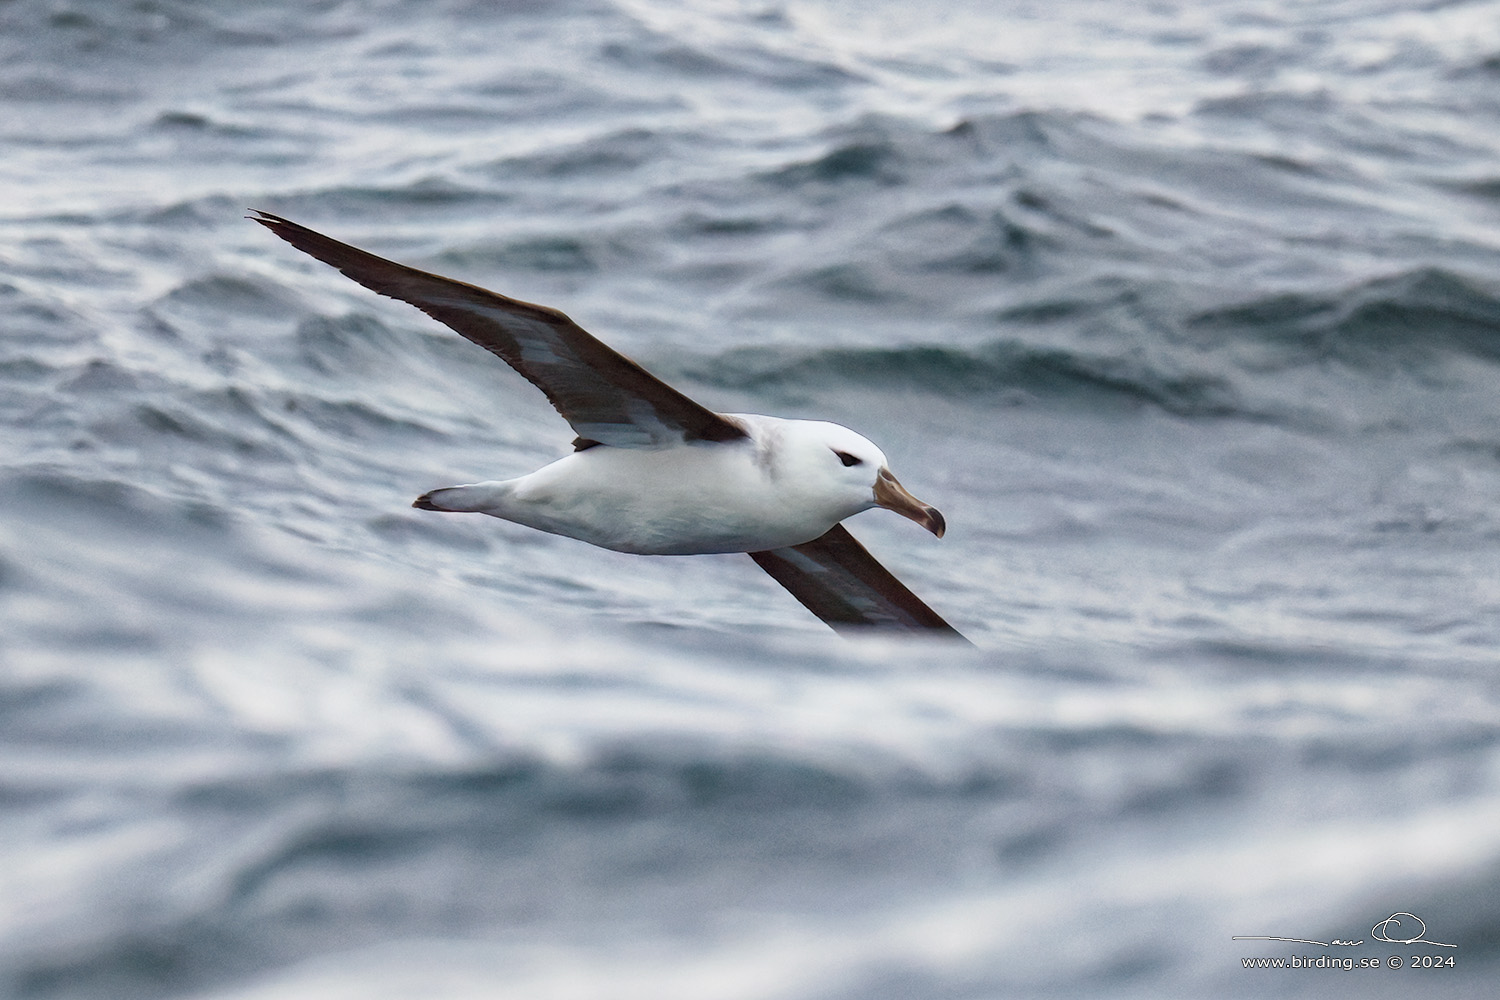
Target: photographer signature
x,y
1382,931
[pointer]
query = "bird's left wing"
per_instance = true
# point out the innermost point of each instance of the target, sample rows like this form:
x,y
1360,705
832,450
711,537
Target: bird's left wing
x,y
838,580
608,398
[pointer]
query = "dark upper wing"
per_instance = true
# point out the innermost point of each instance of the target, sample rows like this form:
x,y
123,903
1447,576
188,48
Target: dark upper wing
x,y
839,581
608,398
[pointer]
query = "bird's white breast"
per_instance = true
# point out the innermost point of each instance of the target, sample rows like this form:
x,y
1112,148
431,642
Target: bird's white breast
x,y
739,496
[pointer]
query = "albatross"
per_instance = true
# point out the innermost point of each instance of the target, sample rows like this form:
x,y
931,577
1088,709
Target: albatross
x,y
655,473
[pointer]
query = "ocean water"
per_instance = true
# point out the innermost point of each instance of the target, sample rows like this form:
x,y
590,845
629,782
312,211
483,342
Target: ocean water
x,y
1186,315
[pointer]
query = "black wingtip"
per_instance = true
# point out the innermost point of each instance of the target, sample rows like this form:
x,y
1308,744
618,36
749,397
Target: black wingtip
x,y
275,223
849,590
424,502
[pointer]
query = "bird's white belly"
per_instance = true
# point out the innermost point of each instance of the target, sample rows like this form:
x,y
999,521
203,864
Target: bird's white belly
x,y
674,501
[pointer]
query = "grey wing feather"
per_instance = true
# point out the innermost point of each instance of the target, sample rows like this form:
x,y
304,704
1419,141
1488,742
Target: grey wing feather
x,y
837,579
608,398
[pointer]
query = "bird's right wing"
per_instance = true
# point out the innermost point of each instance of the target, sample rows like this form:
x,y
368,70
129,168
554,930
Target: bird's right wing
x,y
608,398
839,581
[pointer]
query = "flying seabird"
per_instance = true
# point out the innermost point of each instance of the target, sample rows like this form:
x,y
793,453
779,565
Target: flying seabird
x,y
655,473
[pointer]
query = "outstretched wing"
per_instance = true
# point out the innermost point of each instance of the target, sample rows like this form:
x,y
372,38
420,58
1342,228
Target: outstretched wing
x,y
839,581
608,398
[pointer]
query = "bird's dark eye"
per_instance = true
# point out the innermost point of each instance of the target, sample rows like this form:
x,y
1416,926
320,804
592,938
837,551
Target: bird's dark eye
x,y
848,459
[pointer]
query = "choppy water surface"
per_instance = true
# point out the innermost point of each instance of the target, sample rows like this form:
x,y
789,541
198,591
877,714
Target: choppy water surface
x,y
1186,315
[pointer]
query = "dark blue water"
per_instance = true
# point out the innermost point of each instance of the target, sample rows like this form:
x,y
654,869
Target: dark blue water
x,y
1186,315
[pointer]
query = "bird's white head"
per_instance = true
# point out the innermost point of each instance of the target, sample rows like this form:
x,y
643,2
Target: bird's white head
x,y
847,472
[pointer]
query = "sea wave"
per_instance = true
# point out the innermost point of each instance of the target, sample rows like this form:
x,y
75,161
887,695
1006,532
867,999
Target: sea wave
x,y
1204,363
1002,372
1401,322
